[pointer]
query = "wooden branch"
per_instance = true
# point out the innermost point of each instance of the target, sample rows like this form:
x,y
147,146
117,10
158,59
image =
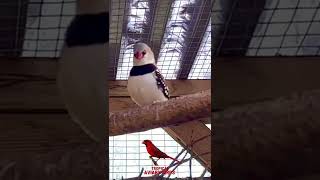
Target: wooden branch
x,y
274,139
174,111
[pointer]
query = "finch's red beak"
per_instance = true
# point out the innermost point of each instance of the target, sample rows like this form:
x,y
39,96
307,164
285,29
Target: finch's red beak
x,y
138,55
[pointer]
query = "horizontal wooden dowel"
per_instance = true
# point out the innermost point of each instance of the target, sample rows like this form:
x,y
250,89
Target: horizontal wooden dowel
x,y
174,111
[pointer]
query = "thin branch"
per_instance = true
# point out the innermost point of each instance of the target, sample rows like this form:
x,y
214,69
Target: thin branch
x,y
190,162
177,164
186,160
154,162
6,168
141,172
174,111
190,166
173,163
161,174
183,160
191,157
203,172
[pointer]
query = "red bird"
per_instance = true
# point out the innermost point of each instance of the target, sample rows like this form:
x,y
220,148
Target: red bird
x,y
155,152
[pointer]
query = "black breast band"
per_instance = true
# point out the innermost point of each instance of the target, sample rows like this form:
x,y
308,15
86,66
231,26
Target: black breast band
x,y
141,70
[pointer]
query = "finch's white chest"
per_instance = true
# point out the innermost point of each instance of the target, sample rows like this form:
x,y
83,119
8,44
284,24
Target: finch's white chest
x,y
144,89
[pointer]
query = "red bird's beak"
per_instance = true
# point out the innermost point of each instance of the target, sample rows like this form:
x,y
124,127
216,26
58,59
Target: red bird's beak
x,y
138,55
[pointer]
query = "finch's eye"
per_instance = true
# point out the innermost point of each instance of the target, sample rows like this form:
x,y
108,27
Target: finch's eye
x,y
144,52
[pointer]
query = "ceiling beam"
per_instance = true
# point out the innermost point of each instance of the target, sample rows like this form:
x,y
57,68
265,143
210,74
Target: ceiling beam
x,y
187,133
201,13
150,17
41,95
237,81
239,19
46,67
162,14
39,133
29,85
250,79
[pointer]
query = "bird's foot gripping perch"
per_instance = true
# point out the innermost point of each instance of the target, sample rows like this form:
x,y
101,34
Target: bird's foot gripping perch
x,y
154,162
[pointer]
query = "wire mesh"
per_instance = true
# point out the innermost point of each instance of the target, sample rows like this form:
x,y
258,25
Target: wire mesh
x,y
174,40
38,27
168,27
287,29
46,24
127,156
284,28
201,69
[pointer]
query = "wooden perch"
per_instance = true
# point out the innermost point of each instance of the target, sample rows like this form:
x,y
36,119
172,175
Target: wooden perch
x,y
174,111
276,139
